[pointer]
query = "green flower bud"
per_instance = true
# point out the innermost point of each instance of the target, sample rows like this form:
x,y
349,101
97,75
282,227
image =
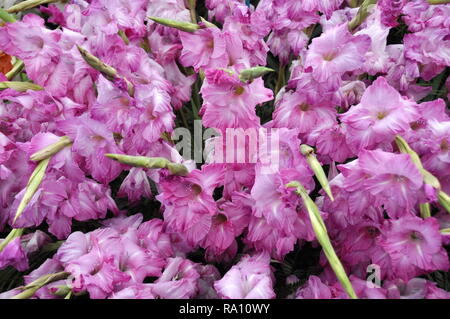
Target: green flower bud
x,y
150,162
253,73
20,86
32,186
438,1
5,16
51,150
323,238
16,232
428,178
308,152
28,4
108,71
180,25
362,14
207,23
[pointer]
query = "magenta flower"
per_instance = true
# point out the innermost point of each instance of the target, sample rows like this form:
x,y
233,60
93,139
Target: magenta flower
x,y
335,52
92,140
228,223
396,185
314,289
228,102
188,202
14,255
390,11
414,246
295,110
204,49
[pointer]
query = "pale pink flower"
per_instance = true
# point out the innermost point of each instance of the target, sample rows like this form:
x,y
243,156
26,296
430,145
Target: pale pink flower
x,y
250,278
382,114
414,246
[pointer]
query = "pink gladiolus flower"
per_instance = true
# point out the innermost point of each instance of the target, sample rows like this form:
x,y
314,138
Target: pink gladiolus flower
x,y
314,289
294,110
251,278
414,246
335,52
396,185
204,49
228,102
91,139
188,202
381,115
178,281
228,223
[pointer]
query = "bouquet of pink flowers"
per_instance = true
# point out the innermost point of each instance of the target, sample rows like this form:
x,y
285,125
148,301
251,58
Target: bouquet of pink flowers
x,y
225,149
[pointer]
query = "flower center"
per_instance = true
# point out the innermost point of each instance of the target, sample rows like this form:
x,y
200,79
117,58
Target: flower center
x,y
304,107
372,231
220,218
239,90
416,125
329,56
416,236
97,138
381,115
399,178
444,145
196,189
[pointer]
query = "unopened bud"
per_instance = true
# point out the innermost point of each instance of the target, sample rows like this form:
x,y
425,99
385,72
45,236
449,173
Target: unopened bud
x,y
207,24
20,86
150,162
52,149
108,71
253,73
28,4
321,233
314,164
444,200
5,16
32,186
180,25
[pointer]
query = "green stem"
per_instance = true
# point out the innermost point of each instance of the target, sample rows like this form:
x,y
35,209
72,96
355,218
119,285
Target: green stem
x,y
195,100
191,5
124,37
183,118
281,78
362,14
425,210
437,83
195,110
52,246
17,68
